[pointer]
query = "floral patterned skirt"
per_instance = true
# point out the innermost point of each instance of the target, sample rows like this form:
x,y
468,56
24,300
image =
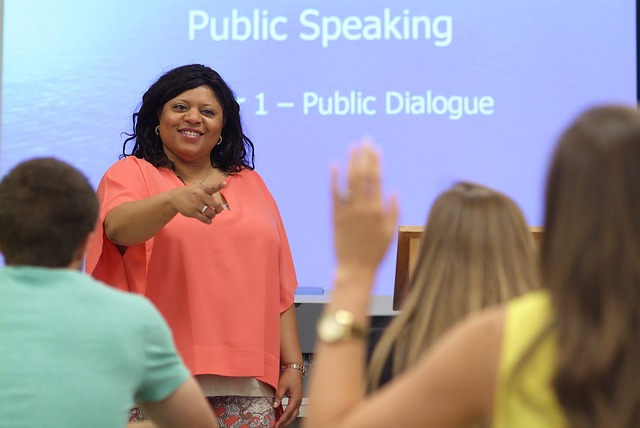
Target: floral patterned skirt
x,y
234,412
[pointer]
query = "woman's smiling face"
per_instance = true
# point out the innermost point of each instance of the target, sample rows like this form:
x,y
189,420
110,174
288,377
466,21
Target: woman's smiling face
x,y
191,124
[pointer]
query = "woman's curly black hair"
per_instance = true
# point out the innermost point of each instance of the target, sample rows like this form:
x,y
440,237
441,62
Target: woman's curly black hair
x,y
236,151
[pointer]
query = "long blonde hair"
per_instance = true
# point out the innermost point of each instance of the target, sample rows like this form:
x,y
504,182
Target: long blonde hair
x,y
476,251
591,265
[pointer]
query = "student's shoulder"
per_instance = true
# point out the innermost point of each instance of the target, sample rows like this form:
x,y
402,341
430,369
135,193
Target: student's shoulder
x,y
533,302
124,300
488,328
491,321
482,326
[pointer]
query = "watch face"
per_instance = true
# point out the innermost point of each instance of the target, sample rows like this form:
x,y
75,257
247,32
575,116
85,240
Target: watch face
x,y
329,330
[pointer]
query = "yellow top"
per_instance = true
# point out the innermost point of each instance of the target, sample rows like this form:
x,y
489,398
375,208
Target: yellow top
x,y
527,400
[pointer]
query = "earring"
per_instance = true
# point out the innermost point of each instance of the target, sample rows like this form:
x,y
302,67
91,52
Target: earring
x,y
158,130
220,140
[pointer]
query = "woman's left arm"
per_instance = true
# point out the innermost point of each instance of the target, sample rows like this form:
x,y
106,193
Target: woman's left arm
x,y
290,379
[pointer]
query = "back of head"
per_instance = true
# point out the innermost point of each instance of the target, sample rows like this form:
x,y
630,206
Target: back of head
x,y
477,251
236,151
591,265
47,210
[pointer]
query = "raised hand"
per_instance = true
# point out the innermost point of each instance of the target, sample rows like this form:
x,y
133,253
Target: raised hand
x,y
364,222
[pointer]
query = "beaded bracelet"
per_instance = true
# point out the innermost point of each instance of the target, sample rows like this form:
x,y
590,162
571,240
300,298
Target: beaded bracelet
x,y
296,366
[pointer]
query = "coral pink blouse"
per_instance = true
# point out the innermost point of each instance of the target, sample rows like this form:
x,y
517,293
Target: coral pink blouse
x,y
221,287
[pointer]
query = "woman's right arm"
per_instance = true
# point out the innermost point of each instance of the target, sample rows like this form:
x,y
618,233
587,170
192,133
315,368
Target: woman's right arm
x,y
452,386
134,222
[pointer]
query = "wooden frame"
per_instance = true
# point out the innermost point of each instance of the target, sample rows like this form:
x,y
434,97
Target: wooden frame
x,y
409,239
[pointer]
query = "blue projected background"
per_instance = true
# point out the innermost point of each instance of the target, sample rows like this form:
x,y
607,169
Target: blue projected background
x,y
450,90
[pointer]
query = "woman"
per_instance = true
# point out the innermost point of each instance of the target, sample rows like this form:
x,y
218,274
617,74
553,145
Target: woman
x,y
565,356
477,251
186,221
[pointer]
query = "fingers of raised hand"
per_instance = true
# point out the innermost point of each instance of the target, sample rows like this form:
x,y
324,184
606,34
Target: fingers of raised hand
x,y
364,223
363,177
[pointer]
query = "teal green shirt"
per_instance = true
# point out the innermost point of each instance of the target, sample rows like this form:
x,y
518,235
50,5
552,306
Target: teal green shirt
x,y
77,353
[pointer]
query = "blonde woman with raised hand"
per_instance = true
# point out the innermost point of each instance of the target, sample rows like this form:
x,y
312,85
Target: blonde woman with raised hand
x,y
563,356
